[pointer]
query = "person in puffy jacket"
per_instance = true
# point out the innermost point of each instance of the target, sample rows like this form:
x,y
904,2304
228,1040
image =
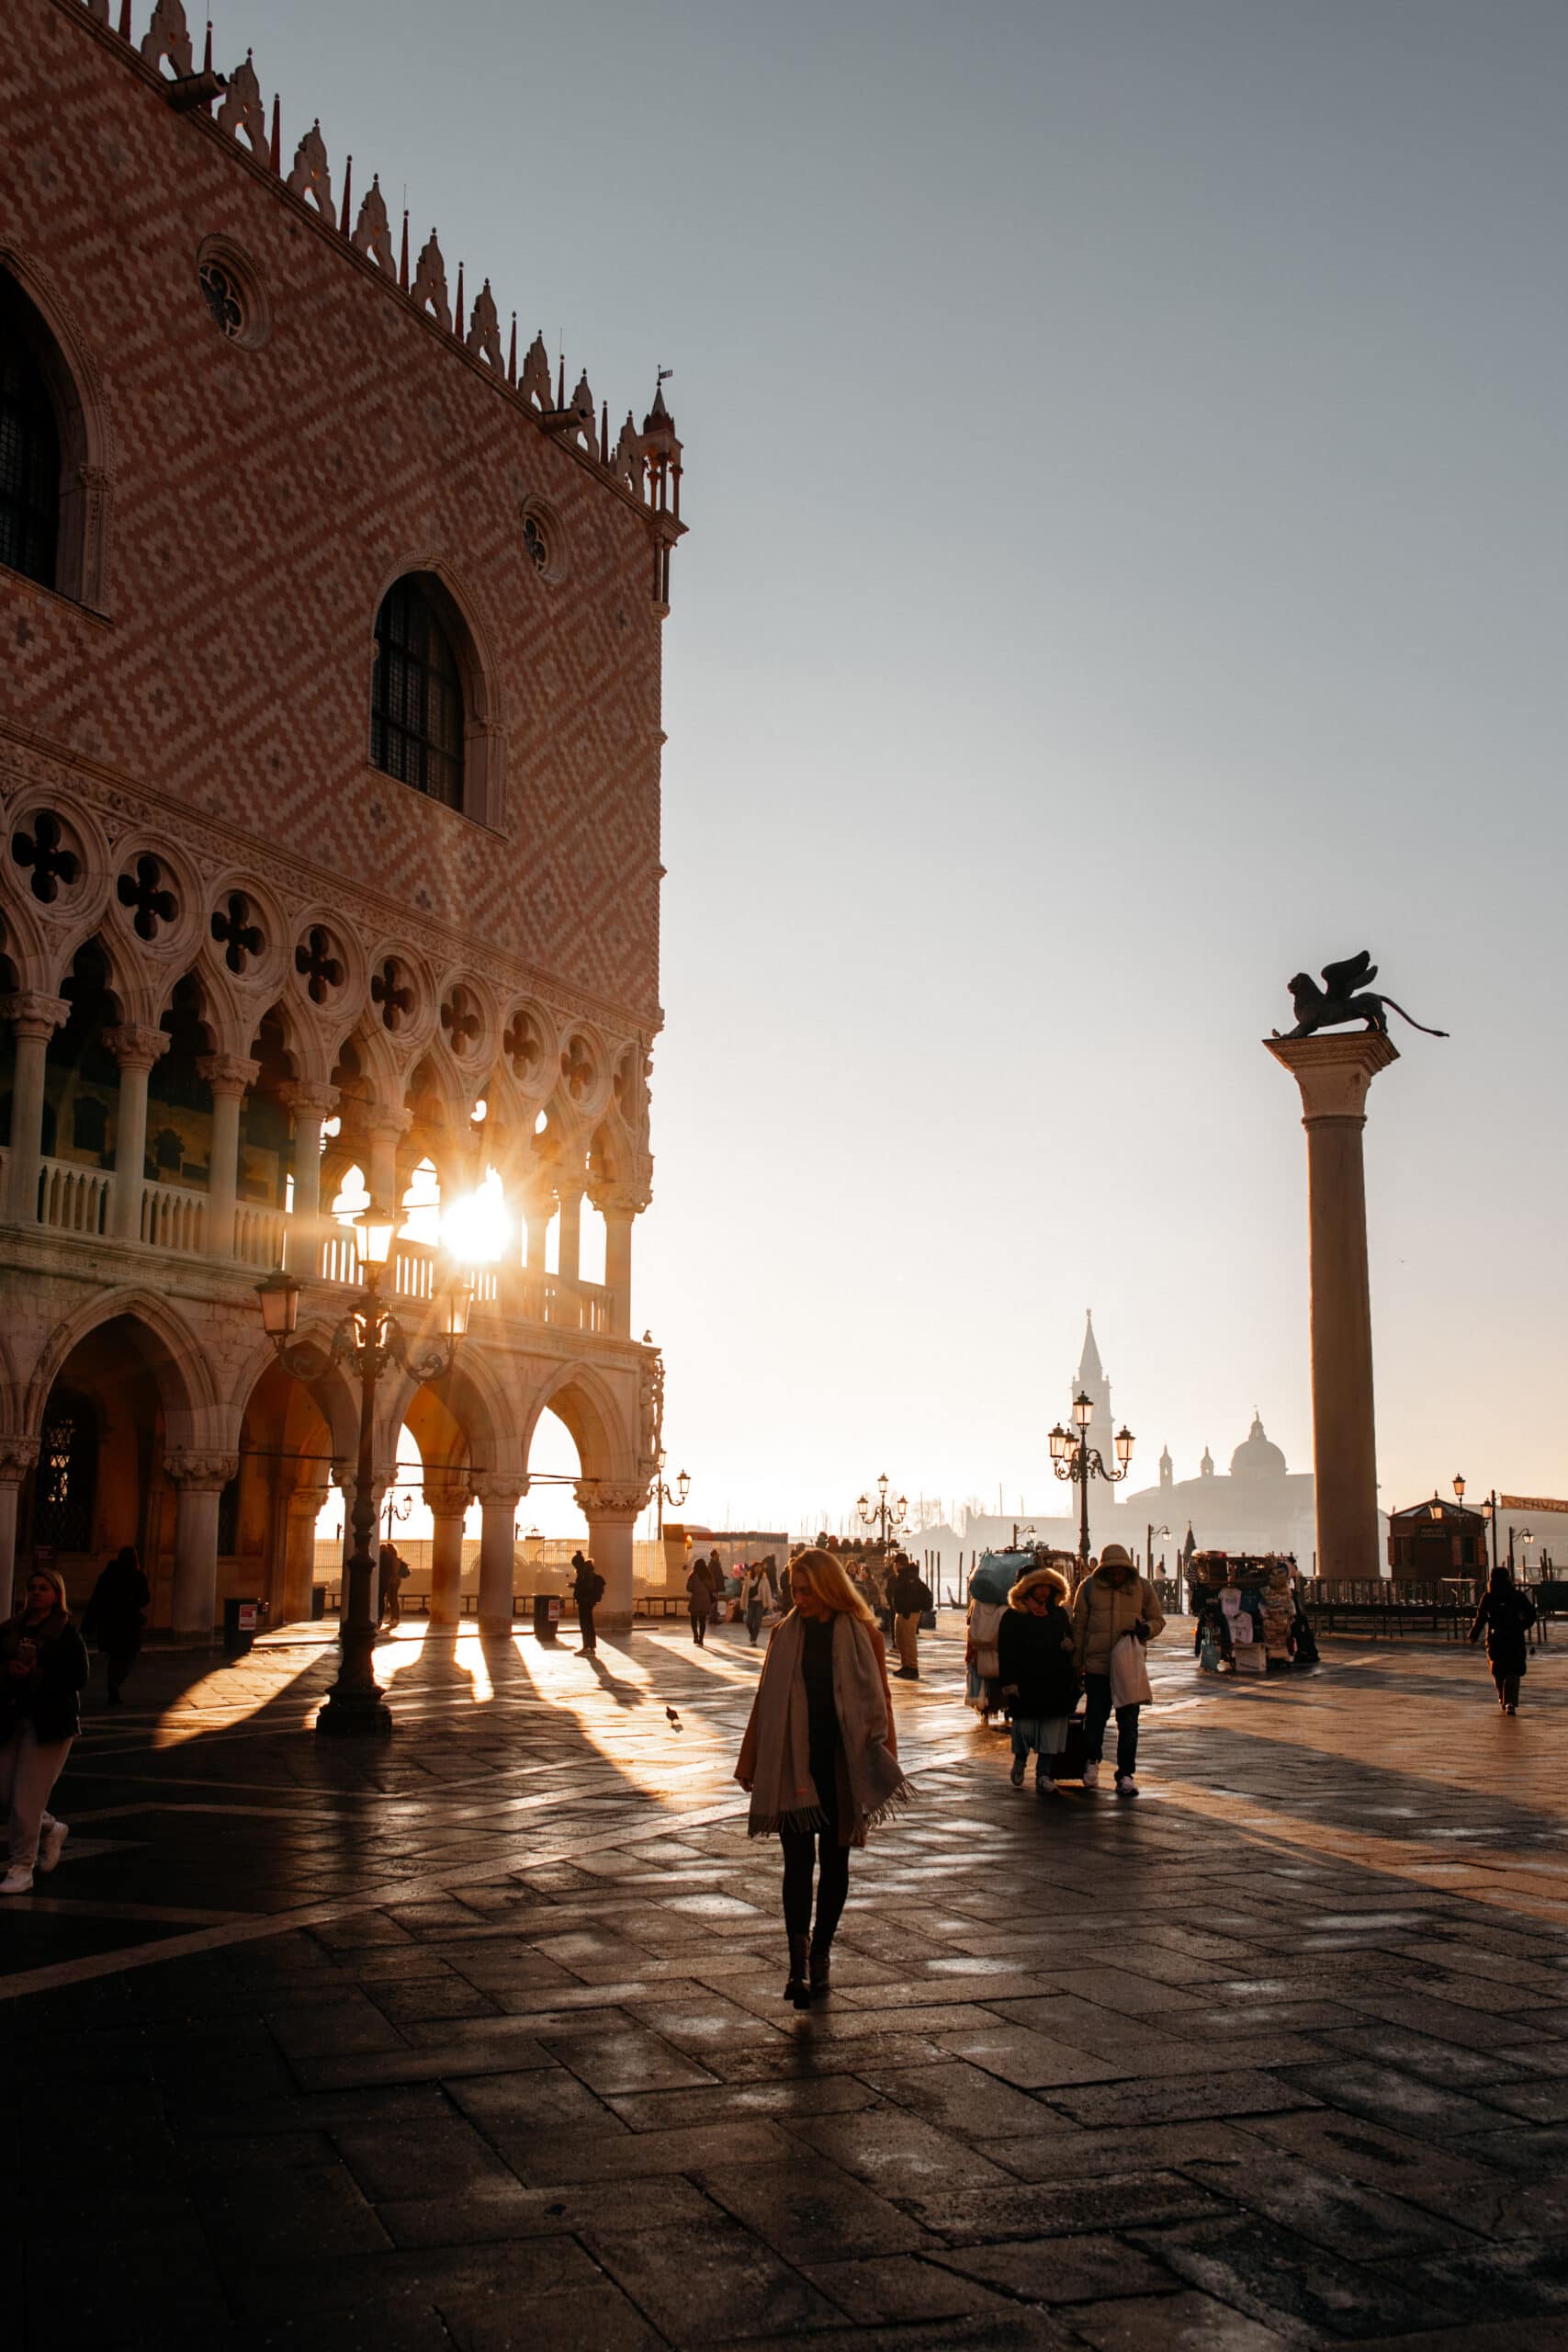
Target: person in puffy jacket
x,y
43,1669
1505,1615
1115,1601
1039,1676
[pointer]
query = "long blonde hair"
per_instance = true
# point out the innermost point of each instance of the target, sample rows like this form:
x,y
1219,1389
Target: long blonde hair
x,y
832,1584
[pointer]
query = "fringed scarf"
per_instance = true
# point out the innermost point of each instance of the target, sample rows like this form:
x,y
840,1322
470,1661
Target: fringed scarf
x,y
784,1794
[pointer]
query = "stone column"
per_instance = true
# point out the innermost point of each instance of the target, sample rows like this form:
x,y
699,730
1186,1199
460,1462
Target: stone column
x,y
301,1511
135,1049
448,1504
386,1130
228,1075
1334,1071
201,1478
34,1020
618,1215
612,1513
571,1246
312,1106
18,1455
499,1497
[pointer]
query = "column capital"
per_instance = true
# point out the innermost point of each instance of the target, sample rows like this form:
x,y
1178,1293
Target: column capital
x,y
227,1073
447,1502
18,1455
135,1046
1334,1069
617,1205
384,1119
607,1499
498,1486
303,1096
190,1466
33,1015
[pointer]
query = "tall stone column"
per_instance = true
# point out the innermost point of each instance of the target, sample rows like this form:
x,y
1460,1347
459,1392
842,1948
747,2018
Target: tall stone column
x,y
201,1478
135,1047
448,1506
18,1455
385,1130
301,1511
34,1020
619,1214
311,1107
612,1513
227,1076
570,1244
1334,1071
499,1497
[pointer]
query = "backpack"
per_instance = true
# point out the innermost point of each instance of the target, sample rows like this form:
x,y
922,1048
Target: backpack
x,y
595,1589
925,1592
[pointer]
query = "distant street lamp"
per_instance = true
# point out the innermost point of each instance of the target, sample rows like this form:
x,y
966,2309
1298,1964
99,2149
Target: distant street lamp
x,y
396,1509
1149,1545
1072,1457
674,1496
889,1518
369,1340
1524,1535
1488,1512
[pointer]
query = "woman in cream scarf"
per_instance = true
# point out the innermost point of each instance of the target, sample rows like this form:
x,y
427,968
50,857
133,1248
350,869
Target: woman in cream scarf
x,y
820,1755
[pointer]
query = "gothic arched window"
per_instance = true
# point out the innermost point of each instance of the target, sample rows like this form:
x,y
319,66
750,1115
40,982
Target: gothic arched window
x,y
65,1482
417,715
30,448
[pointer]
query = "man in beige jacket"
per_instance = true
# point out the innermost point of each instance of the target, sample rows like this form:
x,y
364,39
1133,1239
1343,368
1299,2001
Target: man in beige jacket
x,y
1114,1600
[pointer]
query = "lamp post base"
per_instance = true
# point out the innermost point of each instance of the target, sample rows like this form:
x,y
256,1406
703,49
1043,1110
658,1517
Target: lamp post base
x,y
351,1714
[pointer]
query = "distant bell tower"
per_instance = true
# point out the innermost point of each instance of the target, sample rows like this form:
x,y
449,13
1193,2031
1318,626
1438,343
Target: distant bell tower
x,y
1101,1435
1167,1469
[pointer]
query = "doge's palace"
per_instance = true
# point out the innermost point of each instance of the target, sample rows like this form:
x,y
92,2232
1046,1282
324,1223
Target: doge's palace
x,y
329,833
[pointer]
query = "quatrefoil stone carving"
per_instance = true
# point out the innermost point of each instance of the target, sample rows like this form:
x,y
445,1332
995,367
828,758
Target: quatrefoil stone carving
x,y
577,1068
460,1019
320,970
43,856
141,887
392,993
521,1045
233,928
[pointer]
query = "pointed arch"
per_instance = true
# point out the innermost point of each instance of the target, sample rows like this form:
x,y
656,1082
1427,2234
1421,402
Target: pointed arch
x,y
423,591
78,558
193,1409
583,1399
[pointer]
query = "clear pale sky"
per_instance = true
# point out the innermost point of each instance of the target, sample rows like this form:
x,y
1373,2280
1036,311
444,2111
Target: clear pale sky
x,y
1125,464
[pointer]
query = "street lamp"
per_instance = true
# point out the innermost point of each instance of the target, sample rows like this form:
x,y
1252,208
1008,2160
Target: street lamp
x,y
675,1496
367,1341
888,1517
1072,1457
1524,1535
1488,1512
1153,1532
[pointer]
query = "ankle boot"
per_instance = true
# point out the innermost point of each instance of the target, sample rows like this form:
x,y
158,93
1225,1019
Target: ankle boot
x,y
821,1963
797,1990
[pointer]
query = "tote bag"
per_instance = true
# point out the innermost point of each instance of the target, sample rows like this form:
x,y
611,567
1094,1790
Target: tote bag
x,y
1129,1675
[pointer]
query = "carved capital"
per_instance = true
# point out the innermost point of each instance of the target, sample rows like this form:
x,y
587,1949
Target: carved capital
x,y
201,1473
135,1046
18,1455
34,1015
604,1498
617,1204
1334,1071
446,1501
227,1073
500,1487
308,1101
383,1120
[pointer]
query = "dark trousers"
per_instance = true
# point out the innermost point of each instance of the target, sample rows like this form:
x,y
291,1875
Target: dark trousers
x,y
699,1627
585,1619
118,1658
803,1849
1507,1686
1096,1715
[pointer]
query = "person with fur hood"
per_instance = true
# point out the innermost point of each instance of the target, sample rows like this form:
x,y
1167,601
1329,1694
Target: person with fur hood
x,y
1112,1604
1039,1675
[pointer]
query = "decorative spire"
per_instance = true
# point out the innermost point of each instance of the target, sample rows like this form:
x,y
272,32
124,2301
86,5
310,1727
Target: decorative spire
x,y
347,189
535,380
429,288
309,178
1091,1369
457,314
274,155
511,353
373,231
403,263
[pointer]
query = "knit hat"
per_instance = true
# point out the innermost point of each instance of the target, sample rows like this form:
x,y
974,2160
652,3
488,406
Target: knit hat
x,y
1116,1555
1033,1581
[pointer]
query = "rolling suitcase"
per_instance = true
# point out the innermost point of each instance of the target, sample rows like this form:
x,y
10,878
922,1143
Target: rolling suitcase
x,y
1069,1764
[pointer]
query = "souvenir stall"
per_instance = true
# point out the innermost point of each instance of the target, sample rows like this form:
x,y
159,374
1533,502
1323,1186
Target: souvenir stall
x,y
1244,1605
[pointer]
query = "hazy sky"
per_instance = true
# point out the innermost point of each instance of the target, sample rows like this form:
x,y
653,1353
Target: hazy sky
x,y
1125,465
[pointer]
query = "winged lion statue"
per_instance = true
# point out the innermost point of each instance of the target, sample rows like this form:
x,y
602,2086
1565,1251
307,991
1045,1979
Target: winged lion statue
x,y
1345,996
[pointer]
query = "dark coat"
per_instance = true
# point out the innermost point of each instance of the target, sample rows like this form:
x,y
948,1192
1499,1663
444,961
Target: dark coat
x,y
700,1594
1031,1653
116,1611
587,1585
47,1698
1505,1617
910,1595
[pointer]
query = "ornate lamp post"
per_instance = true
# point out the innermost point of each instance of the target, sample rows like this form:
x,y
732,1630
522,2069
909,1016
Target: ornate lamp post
x,y
1073,1457
888,1517
367,1341
1149,1547
674,1496
1488,1512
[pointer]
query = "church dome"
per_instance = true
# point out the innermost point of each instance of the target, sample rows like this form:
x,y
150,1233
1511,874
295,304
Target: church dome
x,y
1258,1458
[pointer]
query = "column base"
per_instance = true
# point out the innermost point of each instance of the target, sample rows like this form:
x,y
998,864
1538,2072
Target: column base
x,y
354,1714
611,1621
502,1627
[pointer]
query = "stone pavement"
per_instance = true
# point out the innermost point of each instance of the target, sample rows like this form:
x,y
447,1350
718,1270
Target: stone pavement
x,y
473,2037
